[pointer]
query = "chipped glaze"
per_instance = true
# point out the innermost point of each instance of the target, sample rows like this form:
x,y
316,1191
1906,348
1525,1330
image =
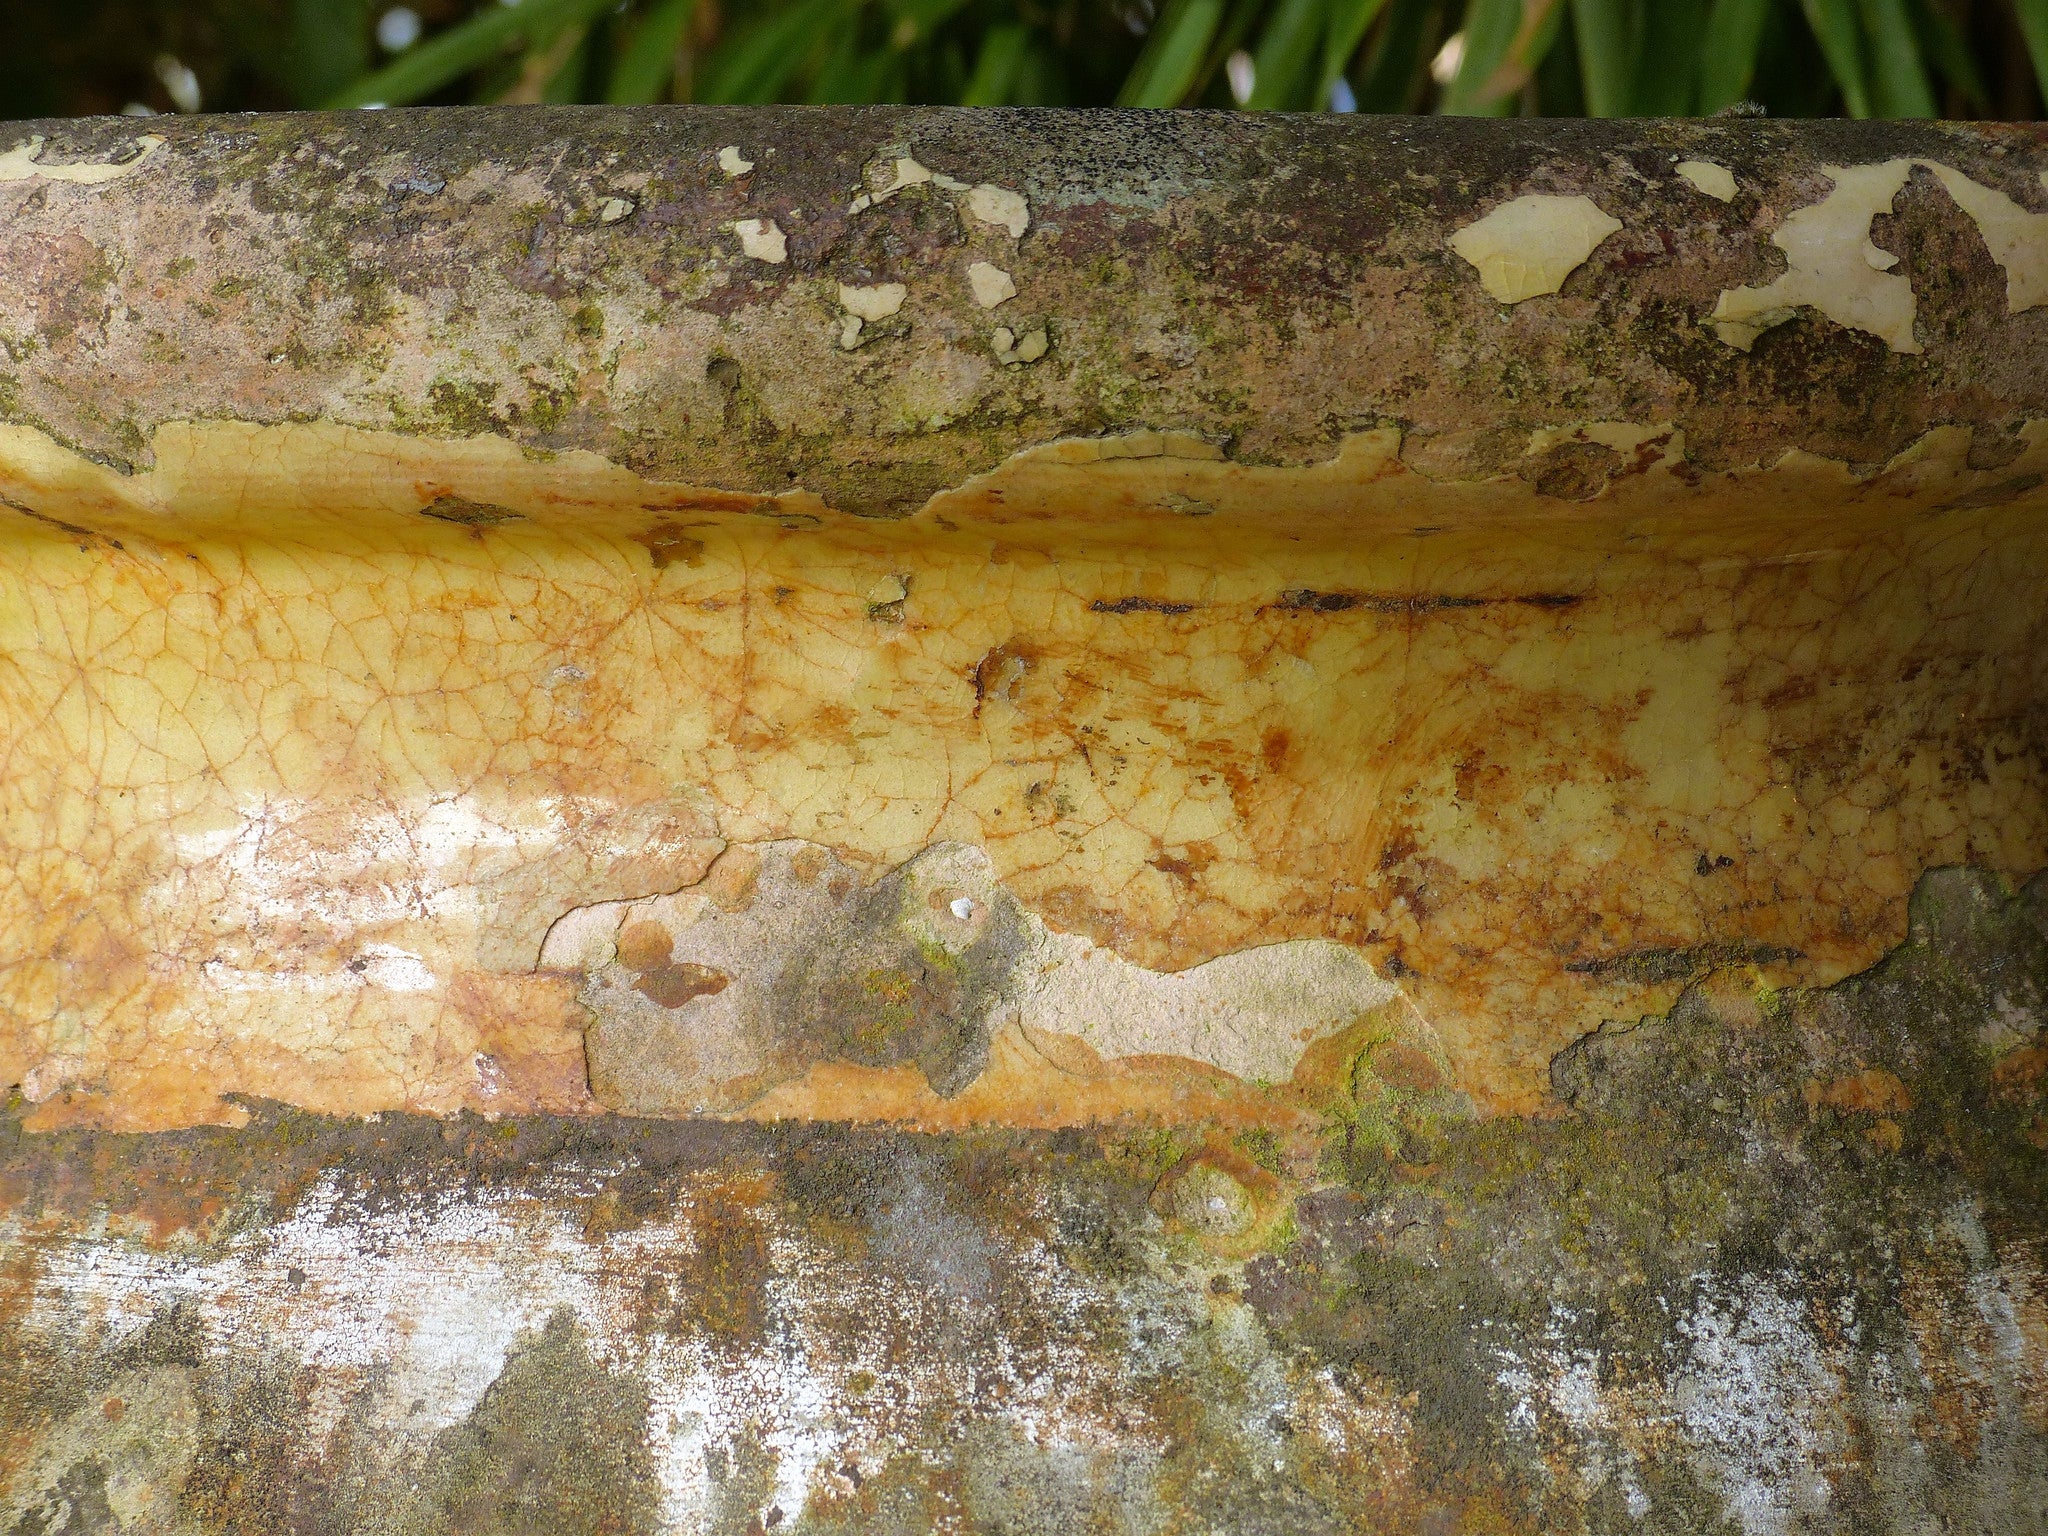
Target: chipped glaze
x,y
23,163
1527,247
1832,264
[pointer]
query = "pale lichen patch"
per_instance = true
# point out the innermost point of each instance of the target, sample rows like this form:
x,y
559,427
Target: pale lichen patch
x,y
1833,266
141,1433
613,209
1000,206
732,163
1715,181
1013,348
2017,239
876,302
1530,246
991,284
763,240
20,164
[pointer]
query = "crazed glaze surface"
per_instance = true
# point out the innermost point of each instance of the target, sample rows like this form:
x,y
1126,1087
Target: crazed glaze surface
x,y
315,735
436,532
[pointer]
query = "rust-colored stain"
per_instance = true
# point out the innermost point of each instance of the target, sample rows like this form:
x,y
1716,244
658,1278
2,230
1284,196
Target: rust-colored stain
x,y
1873,1091
668,545
644,949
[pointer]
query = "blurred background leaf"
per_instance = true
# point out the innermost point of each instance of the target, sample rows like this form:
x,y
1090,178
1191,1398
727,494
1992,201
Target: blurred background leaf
x,y
1604,58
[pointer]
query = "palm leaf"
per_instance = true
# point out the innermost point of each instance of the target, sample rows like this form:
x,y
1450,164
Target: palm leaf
x,y
756,64
1171,60
1606,55
1840,36
917,19
1941,40
1286,57
1345,28
1238,22
1899,86
1043,78
1667,60
329,48
1395,66
1505,40
1728,54
2033,19
449,55
645,69
997,67
570,56
853,76
1490,28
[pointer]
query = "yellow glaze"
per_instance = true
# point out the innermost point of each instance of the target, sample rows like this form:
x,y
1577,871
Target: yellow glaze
x,y
312,735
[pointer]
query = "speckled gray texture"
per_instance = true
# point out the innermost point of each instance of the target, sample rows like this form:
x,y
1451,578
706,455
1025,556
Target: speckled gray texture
x,y
1271,282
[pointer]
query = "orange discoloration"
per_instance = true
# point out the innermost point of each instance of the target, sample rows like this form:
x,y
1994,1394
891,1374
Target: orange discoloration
x,y
313,776
1870,1092
2018,1072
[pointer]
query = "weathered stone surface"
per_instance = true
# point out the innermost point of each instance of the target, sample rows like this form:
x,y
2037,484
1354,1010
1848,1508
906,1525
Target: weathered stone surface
x,y
1779,1262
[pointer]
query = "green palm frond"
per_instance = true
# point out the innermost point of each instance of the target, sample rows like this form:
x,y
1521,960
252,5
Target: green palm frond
x,y
646,67
481,39
1288,55
2033,20
1884,58
1735,30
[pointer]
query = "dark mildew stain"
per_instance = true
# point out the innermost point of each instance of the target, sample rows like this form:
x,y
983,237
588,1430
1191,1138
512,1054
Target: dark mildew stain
x,y
470,514
1653,965
1308,600
1140,605
886,994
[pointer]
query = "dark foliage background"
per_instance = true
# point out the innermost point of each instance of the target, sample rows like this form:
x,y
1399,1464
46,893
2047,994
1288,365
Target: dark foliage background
x,y
1881,58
